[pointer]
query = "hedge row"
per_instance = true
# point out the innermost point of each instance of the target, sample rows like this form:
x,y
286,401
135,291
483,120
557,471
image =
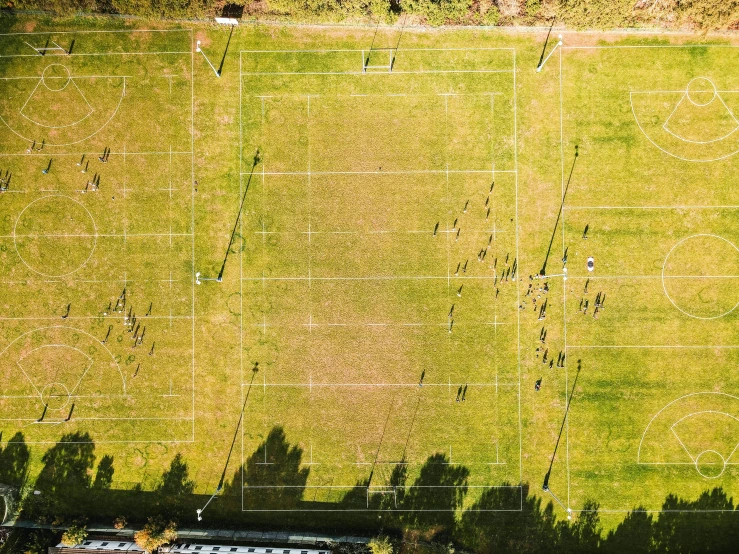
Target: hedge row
x,y
598,14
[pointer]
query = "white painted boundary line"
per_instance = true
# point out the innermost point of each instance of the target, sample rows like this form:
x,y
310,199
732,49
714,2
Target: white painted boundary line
x,y
676,207
653,207
125,235
613,47
518,287
192,220
122,154
564,283
354,50
241,273
130,31
392,172
655,346
389,385
378,278
309,173
395,71
175,53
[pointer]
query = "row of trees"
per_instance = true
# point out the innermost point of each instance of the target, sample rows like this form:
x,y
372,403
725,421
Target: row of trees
x,y
599,14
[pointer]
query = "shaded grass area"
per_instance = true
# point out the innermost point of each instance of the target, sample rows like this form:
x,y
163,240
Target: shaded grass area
x,y
67,490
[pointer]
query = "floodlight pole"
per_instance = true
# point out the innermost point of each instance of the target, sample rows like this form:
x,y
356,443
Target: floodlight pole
x,y
201,510
198,49
199,280
541,65
563,275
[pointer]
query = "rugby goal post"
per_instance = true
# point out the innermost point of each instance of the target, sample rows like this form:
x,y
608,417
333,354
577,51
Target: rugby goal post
x,y
369,65
383,490
42,50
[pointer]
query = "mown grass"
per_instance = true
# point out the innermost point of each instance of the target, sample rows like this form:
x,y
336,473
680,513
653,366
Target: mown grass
x,y
331,391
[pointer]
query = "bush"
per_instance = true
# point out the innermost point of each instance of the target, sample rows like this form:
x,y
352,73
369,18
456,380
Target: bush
x,y
155,533
380,545
75,534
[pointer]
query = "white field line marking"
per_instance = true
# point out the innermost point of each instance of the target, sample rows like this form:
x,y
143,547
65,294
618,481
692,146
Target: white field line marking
x,y
518,290
407,385
354,50
646,429
27,377
377,278
65,328
564,287
686,96
96,235
192,227
122,153
673,207
241,272
655,346
132,31
604,47
264,325
682,444
664,265
101,54
422,72
391,172
593,277
668,152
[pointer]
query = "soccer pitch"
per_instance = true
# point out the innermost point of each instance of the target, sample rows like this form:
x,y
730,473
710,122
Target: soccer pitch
x,y
407,220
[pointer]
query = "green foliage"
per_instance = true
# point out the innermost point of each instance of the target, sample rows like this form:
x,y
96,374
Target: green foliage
x,y
380,545
439,12
75,534
155,533
578,14
708,14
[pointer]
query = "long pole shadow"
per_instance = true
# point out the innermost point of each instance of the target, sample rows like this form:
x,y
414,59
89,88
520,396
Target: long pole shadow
x,y
543,270
545,486
379,446
238,425
546,42
223,59
372,44
397,44
257,159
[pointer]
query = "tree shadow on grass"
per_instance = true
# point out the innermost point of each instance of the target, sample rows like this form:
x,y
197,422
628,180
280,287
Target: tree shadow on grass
x,y
175,489
65,478
14,461
273,476
435,495
104,474
486,528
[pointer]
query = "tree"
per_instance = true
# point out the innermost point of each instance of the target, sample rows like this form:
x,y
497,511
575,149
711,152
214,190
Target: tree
x,y
155,533
380,545
75,534
120,522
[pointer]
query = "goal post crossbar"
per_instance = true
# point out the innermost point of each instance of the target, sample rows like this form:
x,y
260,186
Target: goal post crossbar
x,y
41,50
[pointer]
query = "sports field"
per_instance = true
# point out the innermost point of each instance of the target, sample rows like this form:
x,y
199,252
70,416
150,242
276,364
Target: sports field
x,y
351,272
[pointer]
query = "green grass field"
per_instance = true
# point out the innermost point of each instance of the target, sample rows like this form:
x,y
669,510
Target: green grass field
x,y
377,320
